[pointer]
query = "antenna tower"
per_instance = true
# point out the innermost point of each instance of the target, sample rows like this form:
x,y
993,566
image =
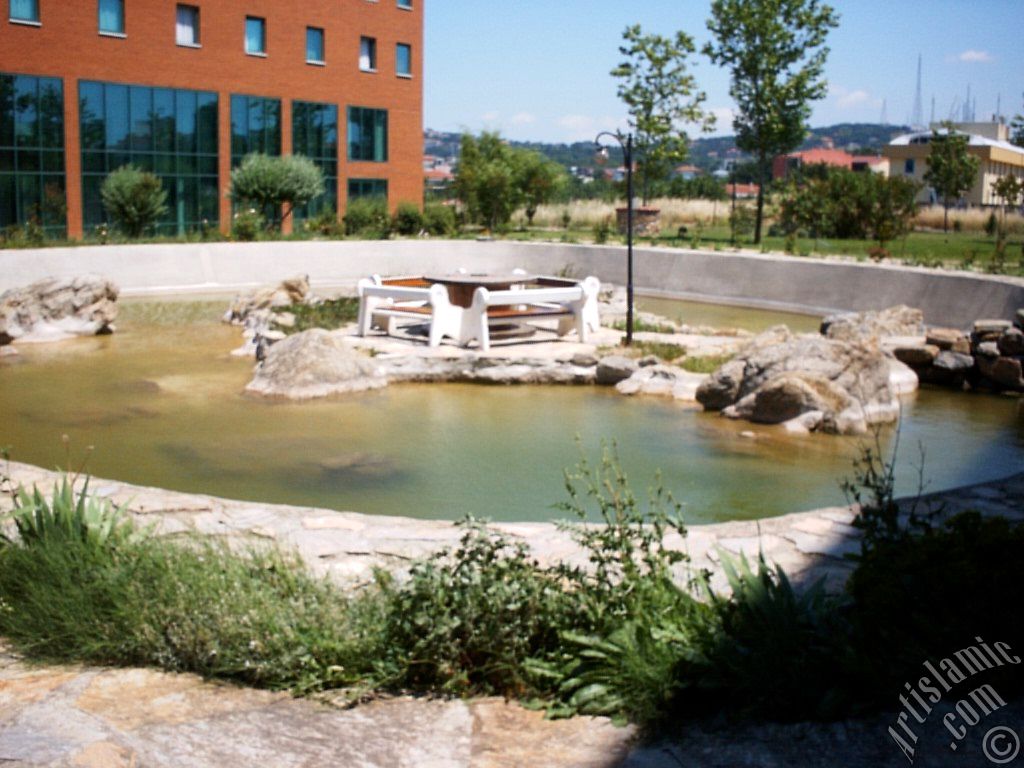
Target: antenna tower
x,y
917,118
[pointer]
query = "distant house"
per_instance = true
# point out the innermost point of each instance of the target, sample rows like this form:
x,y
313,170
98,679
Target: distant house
x,y
989,142
686,172
742,191
784,165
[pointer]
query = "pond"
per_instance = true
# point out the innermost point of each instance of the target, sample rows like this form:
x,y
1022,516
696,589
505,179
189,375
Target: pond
x,y
161,402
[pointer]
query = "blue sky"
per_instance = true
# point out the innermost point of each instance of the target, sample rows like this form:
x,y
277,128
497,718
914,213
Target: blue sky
x,y
538,69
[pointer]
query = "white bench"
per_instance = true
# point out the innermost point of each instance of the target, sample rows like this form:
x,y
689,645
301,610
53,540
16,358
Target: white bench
x,y
409,298
573,305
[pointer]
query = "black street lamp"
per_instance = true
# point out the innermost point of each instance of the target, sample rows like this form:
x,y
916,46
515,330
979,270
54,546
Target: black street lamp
x,y
626,142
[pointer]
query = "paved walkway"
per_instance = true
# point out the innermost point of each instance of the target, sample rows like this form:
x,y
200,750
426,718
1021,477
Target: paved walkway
x,y
72,716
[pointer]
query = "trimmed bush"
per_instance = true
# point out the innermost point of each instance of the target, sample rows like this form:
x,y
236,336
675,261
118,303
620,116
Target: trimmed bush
x,y
440,220
368,217
407,219
135,199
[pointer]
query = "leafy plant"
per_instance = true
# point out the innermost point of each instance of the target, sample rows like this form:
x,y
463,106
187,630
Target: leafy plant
x,y
407,219
328,314
134,198
326,224
951,169
439,219
276,185
66,516
246,225
368,217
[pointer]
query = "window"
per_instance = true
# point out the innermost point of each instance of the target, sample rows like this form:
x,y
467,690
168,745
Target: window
x,y
908,167
255,36
32,153
368,134
186,30
403,60
315,135
367,188
255,127
406,4
368,54
24,10
172,133
112,17
314,45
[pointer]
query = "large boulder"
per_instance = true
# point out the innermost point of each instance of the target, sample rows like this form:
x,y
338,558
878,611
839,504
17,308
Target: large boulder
x,y
256,313
845,384
314,363
864,326
615,368
55,309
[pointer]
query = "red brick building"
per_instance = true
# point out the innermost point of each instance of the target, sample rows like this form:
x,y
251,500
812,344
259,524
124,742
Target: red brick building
x,y
185,89
784,165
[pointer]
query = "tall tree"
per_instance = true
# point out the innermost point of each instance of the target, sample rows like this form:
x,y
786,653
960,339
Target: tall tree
x,y
486,179
951,169
539,180
776,52
661,96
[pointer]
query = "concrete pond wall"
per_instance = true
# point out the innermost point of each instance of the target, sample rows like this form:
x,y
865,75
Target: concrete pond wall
x,y
752,279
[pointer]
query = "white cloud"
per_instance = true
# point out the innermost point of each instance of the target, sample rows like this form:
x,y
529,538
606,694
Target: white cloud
x,y
851,99
972,56
490,117
523,118
586,127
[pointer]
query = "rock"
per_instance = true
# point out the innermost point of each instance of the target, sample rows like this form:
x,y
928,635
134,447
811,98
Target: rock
x,y
1019,321
949,338
1011,342
848,382
949,369
583,360
663,380
615,368
988,330
55,309
358,465
902,378
1006,372
895,321
293,290
987,349
314,363
648,360
916,356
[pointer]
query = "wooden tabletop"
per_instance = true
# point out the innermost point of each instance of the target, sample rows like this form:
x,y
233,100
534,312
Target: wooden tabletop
x,y
485,280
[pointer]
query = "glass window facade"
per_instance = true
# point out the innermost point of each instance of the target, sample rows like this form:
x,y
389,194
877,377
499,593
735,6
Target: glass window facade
x,y
112,16
255,127
32,180
315,135
403,60
368,134
315,45
24,10
368,54
255,35
405,4
172,133
367,188
186,29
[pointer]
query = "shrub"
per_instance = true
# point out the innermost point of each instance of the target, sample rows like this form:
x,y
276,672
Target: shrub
x,y
328,314
602,230
326,224
246,225
134,198
407,219
368,217
440,219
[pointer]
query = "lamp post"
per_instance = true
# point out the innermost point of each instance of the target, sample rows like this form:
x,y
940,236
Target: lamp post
x,y
626,142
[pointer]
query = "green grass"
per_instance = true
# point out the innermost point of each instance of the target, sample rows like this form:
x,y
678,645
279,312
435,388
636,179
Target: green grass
x,y
640,325
704,363
328,314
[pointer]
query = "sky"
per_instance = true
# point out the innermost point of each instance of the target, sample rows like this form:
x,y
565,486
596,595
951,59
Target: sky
x,y
538,70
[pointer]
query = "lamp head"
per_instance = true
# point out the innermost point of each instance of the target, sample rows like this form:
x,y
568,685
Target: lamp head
x,y
601,155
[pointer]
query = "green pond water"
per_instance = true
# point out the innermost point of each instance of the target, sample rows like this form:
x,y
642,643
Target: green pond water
x,y
161,401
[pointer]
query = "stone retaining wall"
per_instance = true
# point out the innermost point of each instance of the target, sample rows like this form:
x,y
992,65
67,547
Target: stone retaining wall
x,y
954,299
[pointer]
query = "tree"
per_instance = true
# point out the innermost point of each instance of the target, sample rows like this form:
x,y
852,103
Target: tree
x,y
892,207
951,169
660,95
776,52
1009,189
485,179
276,184
539,180
134,198
1017,130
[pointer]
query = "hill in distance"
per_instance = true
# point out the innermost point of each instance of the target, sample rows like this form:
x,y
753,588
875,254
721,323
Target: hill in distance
x,y
705,152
